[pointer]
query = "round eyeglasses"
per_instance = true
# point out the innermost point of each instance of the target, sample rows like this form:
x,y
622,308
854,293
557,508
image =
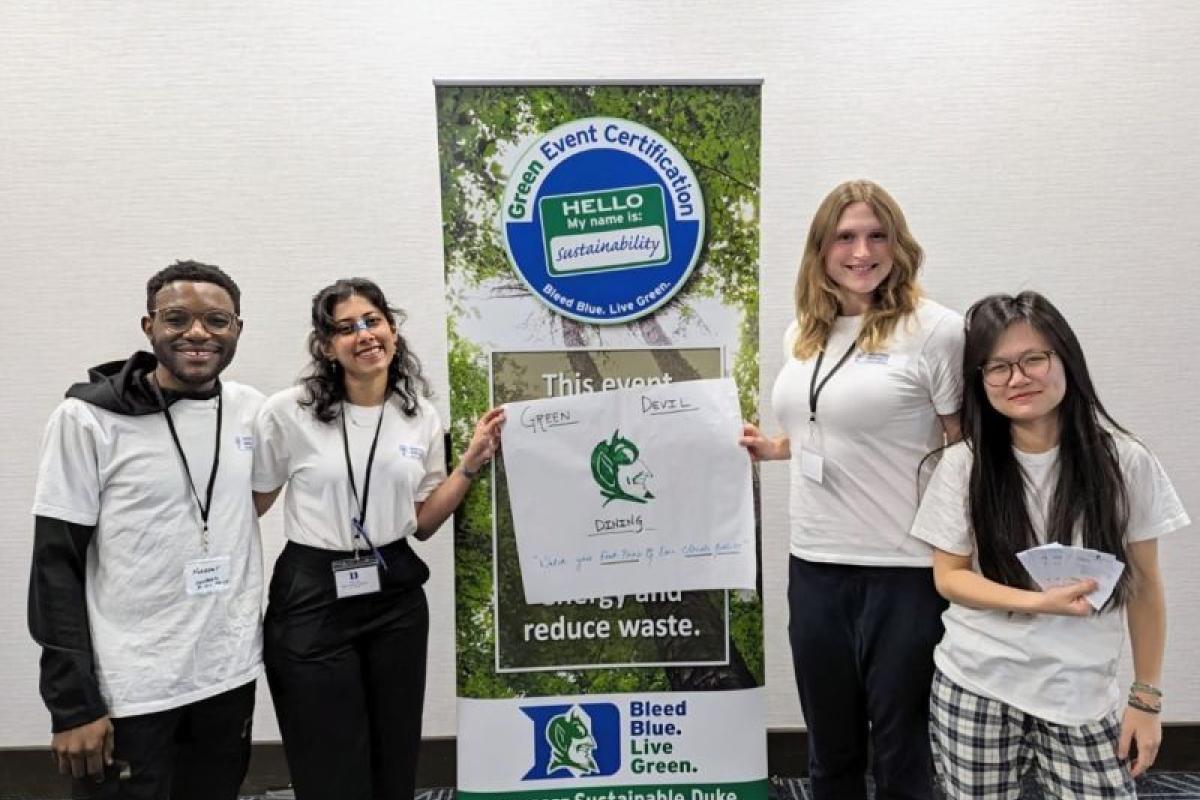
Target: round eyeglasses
x,y
998,372
180,320
367,322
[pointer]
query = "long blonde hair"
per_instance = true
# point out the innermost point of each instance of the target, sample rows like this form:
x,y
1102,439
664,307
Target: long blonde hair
x,y
816,295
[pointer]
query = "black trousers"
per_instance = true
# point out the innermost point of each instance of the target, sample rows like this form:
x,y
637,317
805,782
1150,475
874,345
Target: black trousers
x,y
348,675
862,646
195,752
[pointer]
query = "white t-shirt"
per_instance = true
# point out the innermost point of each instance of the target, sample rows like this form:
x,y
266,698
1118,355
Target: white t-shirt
x,y
309,455
155,645
1061,669
877,417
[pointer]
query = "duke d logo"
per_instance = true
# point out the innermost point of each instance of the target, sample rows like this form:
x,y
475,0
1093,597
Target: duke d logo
x,y
619,471
574,741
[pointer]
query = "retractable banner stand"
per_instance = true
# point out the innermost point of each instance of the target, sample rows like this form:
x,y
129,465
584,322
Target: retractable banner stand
x,y
598,238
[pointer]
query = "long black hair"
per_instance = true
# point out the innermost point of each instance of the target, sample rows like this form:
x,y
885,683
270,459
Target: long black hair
x,y
325,383
1090,496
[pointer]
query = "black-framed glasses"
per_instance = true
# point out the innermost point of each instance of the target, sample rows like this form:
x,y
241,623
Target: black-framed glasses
x,y
998,372
367,322
180,320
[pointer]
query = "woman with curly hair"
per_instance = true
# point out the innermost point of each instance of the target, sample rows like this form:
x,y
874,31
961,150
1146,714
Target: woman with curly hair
x,y
361,451
871,383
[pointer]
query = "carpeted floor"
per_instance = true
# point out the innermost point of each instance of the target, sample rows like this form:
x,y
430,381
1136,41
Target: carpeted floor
x,y
1159,786
1173,785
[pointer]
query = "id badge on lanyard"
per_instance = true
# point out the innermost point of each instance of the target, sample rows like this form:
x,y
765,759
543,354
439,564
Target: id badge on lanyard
x,y
812,460
812,452
360,574
204,575
207,575
355,576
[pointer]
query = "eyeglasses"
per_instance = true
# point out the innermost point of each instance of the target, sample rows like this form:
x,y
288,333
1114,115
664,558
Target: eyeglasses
x,y
180,320
368,322
998,372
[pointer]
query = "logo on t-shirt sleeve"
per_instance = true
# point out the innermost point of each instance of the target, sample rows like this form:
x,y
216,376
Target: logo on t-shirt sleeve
x,y
873,358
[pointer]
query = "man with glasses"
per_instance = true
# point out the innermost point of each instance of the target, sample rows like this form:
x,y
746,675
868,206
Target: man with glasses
x,y
147,572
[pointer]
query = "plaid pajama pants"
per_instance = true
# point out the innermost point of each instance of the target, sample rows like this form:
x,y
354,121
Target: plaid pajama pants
x,y
982,747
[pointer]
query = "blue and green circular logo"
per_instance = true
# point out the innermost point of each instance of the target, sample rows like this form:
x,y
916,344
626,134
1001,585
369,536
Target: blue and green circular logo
x,y
603,220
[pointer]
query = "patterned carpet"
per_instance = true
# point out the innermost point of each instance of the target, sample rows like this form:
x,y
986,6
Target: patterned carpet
x,y
1173,785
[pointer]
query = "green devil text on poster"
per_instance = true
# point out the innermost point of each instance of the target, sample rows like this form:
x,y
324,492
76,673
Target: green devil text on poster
x,y
596,237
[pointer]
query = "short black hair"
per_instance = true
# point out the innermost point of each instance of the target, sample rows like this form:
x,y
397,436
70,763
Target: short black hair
x,y
192,271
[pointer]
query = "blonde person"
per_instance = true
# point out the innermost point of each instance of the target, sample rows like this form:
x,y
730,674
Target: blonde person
x,y
871,383
346,628
1028,678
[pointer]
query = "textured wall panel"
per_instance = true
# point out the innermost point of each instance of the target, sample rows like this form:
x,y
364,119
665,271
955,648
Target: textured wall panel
x,y
1050,146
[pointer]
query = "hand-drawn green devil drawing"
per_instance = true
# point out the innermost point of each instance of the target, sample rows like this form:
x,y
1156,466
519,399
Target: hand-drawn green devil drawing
x,y
618,470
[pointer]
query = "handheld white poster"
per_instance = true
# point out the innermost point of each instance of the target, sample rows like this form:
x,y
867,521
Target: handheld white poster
x,y
631,491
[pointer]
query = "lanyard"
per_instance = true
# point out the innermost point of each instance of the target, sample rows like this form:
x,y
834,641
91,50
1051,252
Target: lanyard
x,y
358,523
814,388
206,506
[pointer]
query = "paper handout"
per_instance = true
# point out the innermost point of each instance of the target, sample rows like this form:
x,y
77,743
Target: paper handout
x,y
1055,565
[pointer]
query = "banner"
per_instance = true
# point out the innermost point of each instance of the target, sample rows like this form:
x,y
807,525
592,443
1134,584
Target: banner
x,y
630,491
597,238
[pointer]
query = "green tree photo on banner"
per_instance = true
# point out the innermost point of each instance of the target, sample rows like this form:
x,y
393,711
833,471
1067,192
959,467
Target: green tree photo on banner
x,y
482,129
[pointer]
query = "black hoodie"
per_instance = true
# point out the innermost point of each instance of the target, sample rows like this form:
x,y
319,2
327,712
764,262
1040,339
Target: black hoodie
x,y
57,604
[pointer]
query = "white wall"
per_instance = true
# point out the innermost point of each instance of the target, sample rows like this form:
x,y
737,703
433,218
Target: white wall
x,y
1032,144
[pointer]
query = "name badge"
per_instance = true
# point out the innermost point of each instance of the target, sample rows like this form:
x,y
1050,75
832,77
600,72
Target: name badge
x,y
206,575
812,465
355,576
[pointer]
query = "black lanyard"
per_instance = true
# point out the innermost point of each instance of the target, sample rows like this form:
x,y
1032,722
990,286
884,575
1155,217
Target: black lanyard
x,y
359,522
814,388
206,506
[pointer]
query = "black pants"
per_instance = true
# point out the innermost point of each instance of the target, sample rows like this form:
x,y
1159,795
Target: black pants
x,y
862,646
195,752
348,675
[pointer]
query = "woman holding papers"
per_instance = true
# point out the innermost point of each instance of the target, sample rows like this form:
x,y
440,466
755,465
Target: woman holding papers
x,y
1027,675
871,383
345,631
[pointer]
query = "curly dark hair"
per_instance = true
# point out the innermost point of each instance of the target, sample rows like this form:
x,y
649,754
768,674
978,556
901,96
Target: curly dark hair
x,y
324,383
192,271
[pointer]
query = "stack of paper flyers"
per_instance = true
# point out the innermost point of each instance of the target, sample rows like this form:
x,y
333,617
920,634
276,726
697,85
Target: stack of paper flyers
x,y
1055,565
